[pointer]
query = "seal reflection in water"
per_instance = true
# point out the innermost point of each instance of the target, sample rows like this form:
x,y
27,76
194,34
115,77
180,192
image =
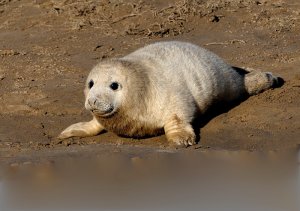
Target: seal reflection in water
x,y
160,88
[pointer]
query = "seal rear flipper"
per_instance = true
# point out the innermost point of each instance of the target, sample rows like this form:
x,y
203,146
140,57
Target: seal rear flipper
x,y
256,82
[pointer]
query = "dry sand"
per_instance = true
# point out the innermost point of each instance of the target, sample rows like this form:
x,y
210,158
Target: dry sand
x,y
47,48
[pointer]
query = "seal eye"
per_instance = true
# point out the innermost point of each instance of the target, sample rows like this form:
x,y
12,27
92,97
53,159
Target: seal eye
x,y
91,84
114,86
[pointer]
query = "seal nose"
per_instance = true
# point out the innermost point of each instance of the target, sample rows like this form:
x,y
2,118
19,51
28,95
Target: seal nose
x,y
99,106
92,101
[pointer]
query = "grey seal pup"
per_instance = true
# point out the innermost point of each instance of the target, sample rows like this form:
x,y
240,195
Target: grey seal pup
x,y
160,88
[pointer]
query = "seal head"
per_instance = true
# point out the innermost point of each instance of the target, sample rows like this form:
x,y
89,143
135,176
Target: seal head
x,y
104,97
114,90
105,90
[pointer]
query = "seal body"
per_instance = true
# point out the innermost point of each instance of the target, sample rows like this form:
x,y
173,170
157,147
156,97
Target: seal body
x,y
189,74
162,87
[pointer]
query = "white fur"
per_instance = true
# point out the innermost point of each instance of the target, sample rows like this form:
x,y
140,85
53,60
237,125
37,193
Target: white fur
x,y
185,74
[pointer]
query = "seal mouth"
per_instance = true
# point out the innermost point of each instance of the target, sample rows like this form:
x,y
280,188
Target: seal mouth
x,y
107,113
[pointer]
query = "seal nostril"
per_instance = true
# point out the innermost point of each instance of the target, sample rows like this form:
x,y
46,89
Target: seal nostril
x,y
92,102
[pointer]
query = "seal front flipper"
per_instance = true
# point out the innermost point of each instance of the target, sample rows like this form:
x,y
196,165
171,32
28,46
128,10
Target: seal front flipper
x,y
180,132
82,129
